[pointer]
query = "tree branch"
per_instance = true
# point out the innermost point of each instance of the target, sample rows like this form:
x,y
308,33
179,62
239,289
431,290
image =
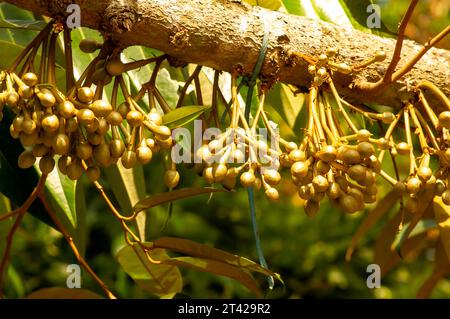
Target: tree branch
x,y
226,34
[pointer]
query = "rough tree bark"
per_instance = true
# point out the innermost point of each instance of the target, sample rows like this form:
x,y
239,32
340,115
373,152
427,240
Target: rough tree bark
x,y
224,34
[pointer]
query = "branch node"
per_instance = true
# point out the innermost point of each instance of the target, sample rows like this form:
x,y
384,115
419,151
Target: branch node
x,y
120,16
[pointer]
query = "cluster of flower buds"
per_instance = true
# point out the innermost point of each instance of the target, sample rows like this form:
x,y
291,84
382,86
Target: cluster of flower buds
x,y
80,131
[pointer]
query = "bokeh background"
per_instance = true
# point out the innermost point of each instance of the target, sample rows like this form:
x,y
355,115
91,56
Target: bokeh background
x,y
308,253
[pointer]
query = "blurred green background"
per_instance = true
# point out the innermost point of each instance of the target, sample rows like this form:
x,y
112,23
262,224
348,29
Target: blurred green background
x,y
308,253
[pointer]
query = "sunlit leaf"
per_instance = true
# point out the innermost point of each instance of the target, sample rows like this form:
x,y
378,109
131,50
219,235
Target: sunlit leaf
x,y
440,270
166,197
425,201
422,226
288,105
63,293
386,254
152,276
183,115
268,4
442,216
383,206
359,11
331,11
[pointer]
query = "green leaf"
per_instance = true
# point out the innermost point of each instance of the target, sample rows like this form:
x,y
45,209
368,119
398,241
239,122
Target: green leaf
x,y
341,12
63,293
356,10
331,11
16,36
422,226
34,25
268,4
66,198
288,105
154,277
62,190
301,8
5,225
208,259
183,115
128,186
193,249
167,197
218,268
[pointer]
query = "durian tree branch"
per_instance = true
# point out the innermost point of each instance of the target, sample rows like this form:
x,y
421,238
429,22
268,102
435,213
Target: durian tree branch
x,y
227,34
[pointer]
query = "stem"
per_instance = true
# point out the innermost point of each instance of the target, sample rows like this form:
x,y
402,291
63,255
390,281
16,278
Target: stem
x,y
35,42
115,90
198,90
323,120
436,91
330,118
43,62
162,102
51,66
186,85
423,142
313,110
412,159
70,78
341,108
214,101
428,130
10,214
259,111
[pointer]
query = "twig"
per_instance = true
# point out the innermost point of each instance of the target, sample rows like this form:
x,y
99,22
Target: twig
x,y
391,76
74,248
399,44
20,214
10,214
